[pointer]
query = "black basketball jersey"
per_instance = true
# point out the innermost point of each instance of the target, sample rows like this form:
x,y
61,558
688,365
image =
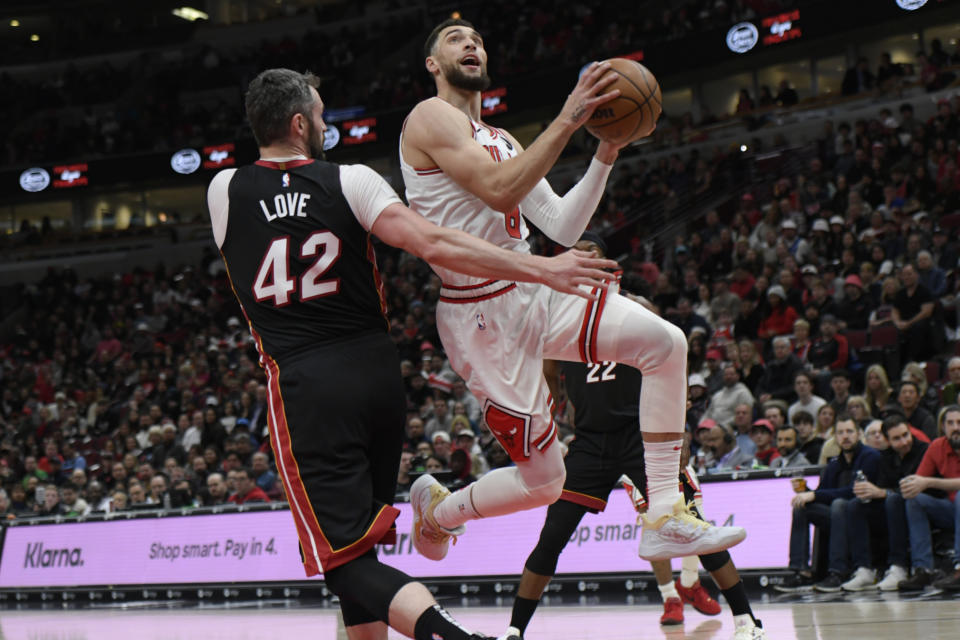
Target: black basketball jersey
x,y
605,395
299,261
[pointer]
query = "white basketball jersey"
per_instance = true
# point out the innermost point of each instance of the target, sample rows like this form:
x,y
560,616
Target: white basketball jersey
x,y
434,195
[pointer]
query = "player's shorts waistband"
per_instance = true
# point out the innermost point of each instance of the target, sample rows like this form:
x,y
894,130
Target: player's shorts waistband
x,y
463,294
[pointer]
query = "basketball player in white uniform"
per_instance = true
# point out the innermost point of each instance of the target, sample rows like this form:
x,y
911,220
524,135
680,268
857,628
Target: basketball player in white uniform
x,y
462,173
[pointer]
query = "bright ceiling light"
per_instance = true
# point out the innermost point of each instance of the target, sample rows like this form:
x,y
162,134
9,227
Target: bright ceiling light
x,y
14,23
189,13
34,38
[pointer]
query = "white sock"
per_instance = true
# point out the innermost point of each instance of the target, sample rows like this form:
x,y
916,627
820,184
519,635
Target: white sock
x,y
668,591
743,620
456,509
689,571
663,472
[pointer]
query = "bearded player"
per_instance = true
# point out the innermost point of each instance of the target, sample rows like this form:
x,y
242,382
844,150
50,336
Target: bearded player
x,y
462,173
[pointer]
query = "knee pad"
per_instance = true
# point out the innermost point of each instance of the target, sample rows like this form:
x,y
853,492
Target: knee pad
x,y
367,580
713,561
562,520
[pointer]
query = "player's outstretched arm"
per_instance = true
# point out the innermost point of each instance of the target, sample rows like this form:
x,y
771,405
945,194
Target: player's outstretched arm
x,y
440,133
451,249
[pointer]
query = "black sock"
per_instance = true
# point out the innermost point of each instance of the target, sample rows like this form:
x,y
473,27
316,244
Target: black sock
x,y
523,609
736,597
436,624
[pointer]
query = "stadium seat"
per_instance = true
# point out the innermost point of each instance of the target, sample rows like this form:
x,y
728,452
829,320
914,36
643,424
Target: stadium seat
x,y
932,369
883,336
857,339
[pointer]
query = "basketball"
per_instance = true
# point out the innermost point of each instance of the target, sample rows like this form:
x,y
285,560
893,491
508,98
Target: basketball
x,y
633,114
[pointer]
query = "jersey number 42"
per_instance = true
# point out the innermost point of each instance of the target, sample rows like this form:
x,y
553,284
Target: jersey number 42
x,y
273,281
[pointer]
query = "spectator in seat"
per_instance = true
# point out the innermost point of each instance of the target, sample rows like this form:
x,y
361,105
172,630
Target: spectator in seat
x,y
930,275
913,316
722,448
787,447
858,409
873,436
724,402
803,386
809,442
777,380
742,423
951,390
908,399
216,490
829,352
840,391
825,426
762,435
826,507
247,489
686,319
264,476
751,367
878,389
50,505
71,504
801,341
853,312
819,305
780,317
917,373
858,79
939,472
900,460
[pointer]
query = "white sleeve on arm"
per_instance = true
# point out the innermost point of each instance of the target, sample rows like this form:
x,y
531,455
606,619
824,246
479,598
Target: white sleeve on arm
x,y
367,193
218,201
564,219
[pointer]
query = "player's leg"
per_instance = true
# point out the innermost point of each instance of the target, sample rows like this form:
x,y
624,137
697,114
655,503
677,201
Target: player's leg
x,y
561,522
389,595
502,365
616,329
727,578
672,603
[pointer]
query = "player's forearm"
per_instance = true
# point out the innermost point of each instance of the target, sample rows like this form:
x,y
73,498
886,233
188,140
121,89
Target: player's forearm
x,y
463,253
564,219
513,179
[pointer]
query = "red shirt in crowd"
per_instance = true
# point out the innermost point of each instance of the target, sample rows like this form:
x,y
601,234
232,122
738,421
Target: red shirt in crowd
x,y
940,461
255,495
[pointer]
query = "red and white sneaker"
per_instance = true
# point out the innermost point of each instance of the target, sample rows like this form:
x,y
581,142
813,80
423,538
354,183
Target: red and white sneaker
x,y
697,595
430,539
682,533
672,611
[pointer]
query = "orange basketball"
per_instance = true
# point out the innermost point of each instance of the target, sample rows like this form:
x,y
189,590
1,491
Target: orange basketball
x,y
633,114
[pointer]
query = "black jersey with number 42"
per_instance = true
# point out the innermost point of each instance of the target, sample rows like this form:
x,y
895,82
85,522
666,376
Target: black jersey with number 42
x,y
300,262
605,395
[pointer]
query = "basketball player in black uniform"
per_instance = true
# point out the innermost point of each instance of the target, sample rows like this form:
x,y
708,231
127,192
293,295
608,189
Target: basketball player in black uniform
x,y
299,256
608,445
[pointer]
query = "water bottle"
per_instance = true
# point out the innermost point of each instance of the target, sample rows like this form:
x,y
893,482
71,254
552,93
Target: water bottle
x,y
861,477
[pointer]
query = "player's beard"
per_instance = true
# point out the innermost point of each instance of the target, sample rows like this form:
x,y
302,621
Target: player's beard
x,y
460,80
315,142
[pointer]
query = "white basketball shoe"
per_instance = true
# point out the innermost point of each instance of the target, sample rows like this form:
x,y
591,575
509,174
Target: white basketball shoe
x,y
682,533
430,539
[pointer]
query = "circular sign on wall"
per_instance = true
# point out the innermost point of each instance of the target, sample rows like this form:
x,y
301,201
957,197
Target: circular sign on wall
x,y
185,161
742,37
330,137
34,179
911,5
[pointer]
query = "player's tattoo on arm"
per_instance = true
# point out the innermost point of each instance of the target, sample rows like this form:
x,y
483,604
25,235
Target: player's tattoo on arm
x,y
578,113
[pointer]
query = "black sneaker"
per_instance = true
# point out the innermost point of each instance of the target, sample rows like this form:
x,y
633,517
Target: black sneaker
x,y
833,583
797,583
922,578
949,583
